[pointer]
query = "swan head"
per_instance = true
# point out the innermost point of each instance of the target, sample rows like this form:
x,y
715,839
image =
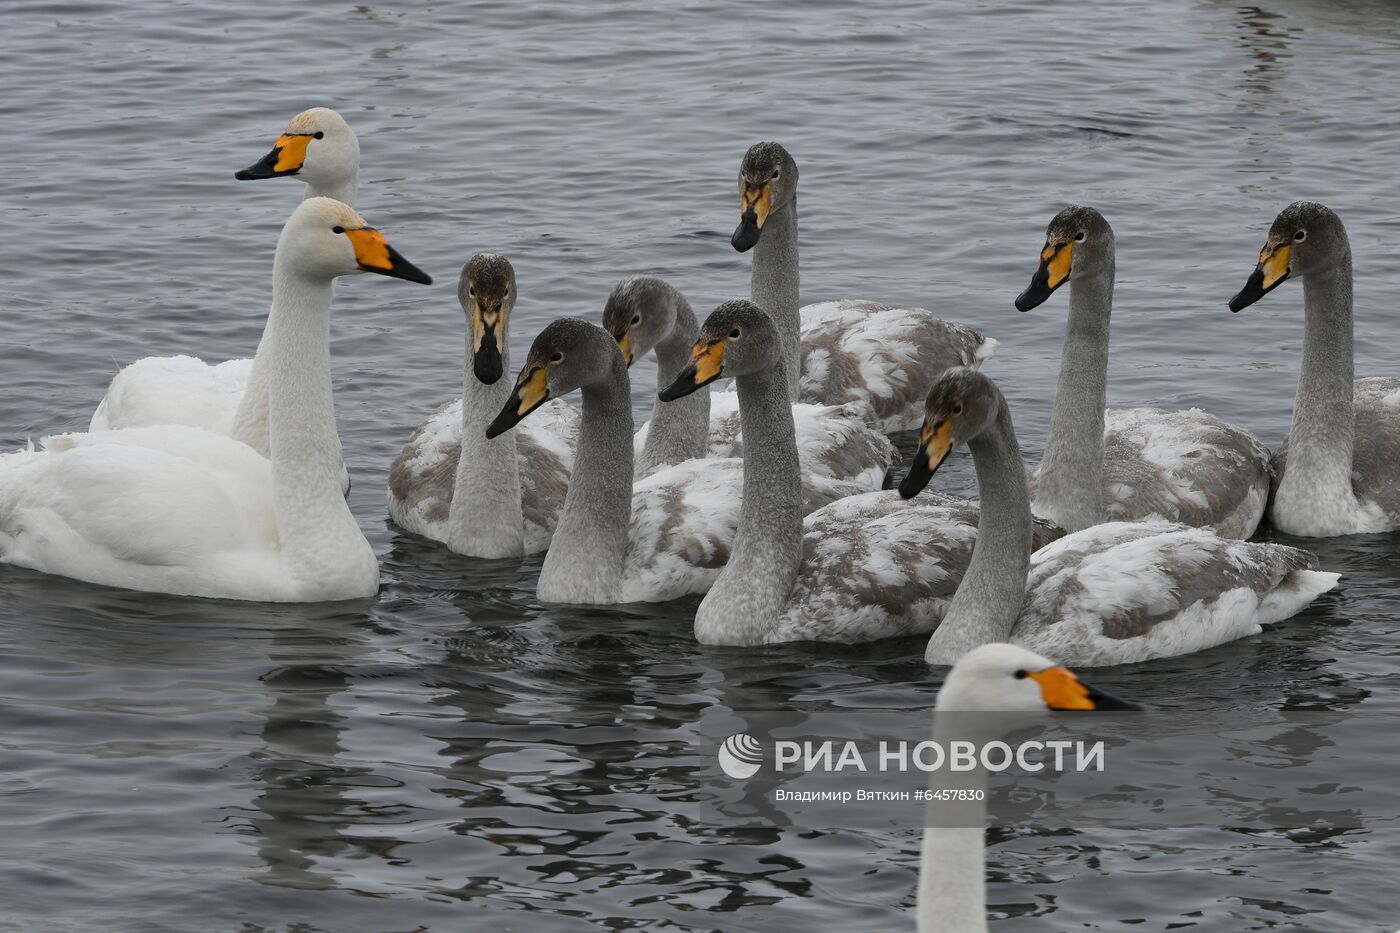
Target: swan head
x,y
767,183
737,339
999,677
640,313
325,238
1305,237
568,354
961,404
487,293
317,147
1078,243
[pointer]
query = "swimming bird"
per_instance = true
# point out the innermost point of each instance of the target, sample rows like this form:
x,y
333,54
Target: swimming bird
x,y
318,148
503,498
1338,472
1136,463
861,568
618,541
180,509
645,313
992,678
1115,593
839,351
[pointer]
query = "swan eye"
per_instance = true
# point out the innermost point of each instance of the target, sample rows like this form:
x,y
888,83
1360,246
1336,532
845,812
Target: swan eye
x,y
337,229
957,409
636,319
1300,236
557,358
734,334
1079,237
318,135
471,291
776,172
1022,674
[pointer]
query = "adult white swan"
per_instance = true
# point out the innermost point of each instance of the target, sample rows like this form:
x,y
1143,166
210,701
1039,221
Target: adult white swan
x,y
645,312
993,678
839,351
318,148
1136,463
619,541
179,509
1338,472
485,498
1116,593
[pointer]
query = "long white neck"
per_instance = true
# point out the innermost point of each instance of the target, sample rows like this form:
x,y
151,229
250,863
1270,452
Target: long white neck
x,y
344,188
1320,443
952,894
993,590
1069,486
316,528
743,605
776,287
586,556
680,429
485,518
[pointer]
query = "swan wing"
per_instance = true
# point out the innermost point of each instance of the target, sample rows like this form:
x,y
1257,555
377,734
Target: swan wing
x,y
183,390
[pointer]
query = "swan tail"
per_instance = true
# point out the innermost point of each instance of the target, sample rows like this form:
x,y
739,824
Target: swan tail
x,y
1294,593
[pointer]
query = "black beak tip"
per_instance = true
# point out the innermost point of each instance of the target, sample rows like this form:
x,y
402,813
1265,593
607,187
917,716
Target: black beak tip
x,y
1034,296
747,233
244,174
503,423
487,370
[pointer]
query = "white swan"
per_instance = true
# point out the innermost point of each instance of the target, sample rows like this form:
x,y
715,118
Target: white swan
x,y
179,509
645,312
1338,472
993,678
504,497
619,541
1128,464
839,351
1116,593
317,147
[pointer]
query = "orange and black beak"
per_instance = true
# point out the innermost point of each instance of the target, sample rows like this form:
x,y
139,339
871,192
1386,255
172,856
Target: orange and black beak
x,y
1273,269
624,343
488,325
374,254
286,158
531,391
1055,263
755,203
1062,690
935,443
705,366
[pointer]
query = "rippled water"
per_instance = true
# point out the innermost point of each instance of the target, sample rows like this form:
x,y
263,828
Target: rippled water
x,y
453,756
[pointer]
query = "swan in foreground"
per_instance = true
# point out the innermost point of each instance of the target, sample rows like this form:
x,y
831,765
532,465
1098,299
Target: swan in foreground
x,y
504,497
839,351
1137,463
861,568
179,509
1338,472
664,536
1116,593
318,148
993,678
645,312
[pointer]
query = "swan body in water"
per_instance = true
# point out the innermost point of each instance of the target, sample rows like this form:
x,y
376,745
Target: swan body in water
x,y
485,498
181,509
845,351
1116,593
1128,464
1338,472
318,148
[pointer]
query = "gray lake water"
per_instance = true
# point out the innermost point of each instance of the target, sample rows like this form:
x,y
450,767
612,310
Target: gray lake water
x,y
452,756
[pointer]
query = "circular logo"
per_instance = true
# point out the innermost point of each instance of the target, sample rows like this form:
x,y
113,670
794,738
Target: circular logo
x,y
740,756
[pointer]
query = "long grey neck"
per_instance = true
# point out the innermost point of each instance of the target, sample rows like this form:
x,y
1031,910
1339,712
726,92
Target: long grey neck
x,y
1321,439
485,518
680,430
745,601
993,590
776,287
586,556
1069,488
344,190
952,894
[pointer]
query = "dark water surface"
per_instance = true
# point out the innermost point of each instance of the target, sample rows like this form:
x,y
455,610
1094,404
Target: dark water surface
x,y
452,756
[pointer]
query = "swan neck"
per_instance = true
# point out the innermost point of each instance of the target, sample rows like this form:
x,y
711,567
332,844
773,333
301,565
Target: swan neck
x,y
952,894
752,589
344,190
776,287
1320,443
1069,485
992,592
485,518
679,430
585,559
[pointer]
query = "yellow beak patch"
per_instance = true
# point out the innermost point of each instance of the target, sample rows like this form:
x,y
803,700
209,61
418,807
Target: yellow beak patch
x,y
1060,689
1058,261
708,360
532,388
483,322
371,249
761,201
291,151
1275,264
625,344
937,440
